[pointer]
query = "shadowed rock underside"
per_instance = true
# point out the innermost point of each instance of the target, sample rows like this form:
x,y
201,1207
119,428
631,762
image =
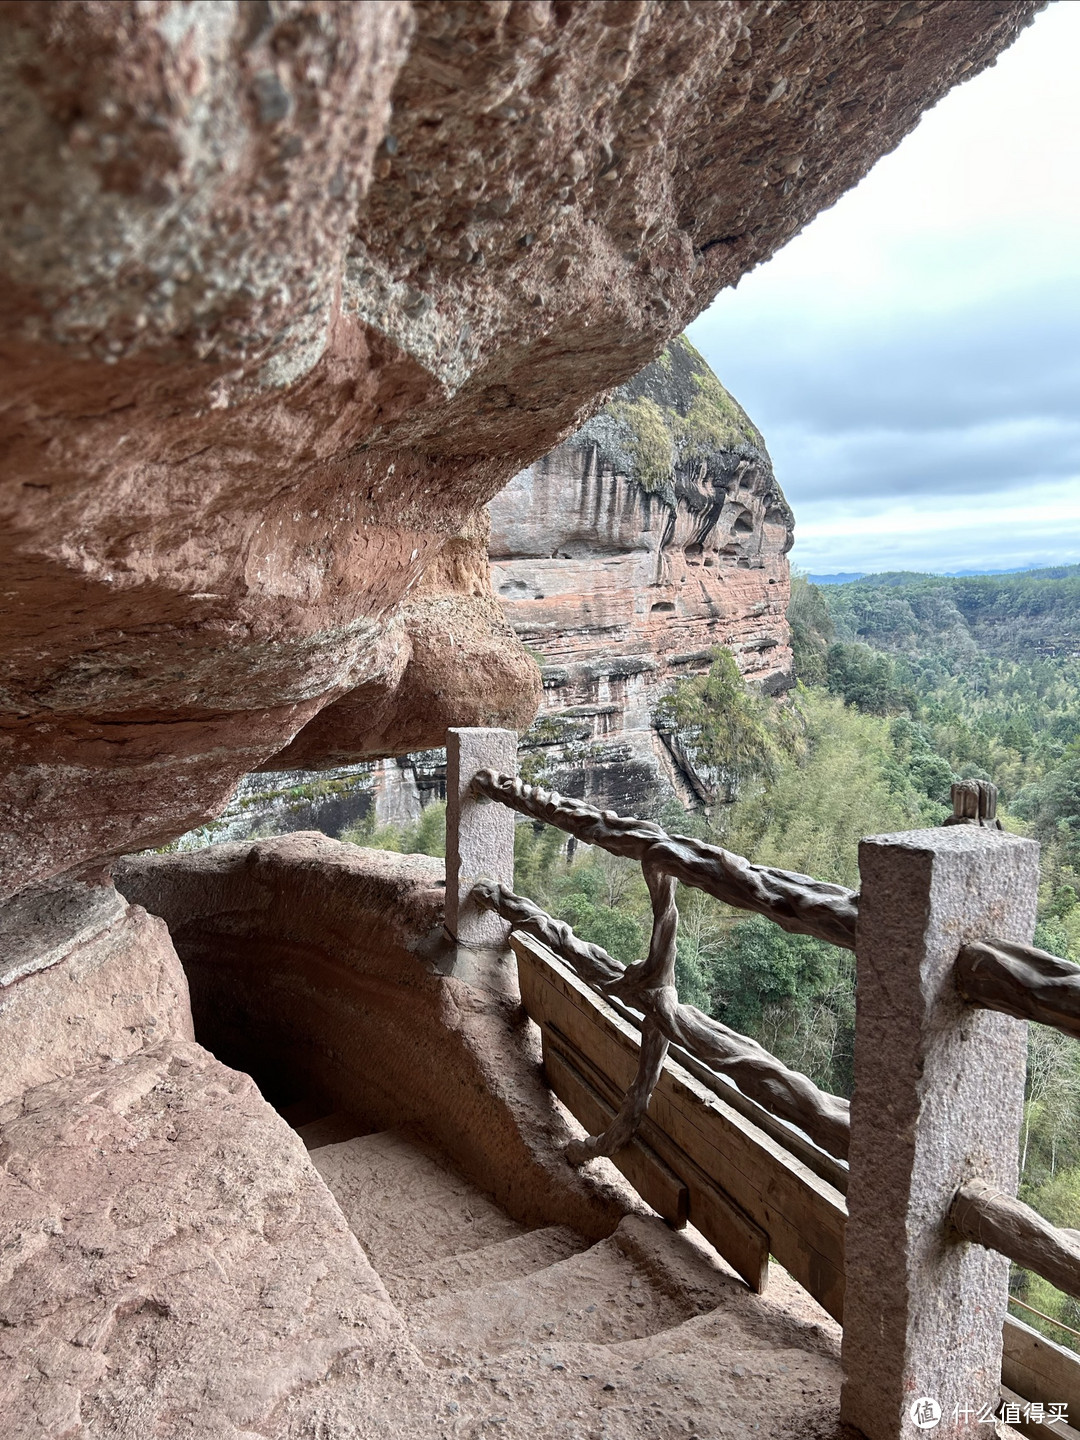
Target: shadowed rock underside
x,y
291,289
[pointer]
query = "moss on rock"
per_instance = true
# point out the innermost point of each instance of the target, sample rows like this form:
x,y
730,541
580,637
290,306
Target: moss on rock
x,y
715,420
675,413
651,442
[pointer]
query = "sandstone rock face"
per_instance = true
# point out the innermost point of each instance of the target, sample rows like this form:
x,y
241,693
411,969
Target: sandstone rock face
x,y
84,978
291,289
174,1265
172,1262
654,534
323,970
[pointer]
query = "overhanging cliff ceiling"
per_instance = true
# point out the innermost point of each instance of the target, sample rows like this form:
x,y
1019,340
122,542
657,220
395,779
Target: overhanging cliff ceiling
x,y
290,289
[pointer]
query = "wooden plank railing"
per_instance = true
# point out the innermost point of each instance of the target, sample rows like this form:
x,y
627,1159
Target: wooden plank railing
x,y
746,1193
787,1093
939,1079
754,1194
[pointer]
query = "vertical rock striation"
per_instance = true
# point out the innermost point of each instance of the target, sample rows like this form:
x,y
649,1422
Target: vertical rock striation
x,y
654,534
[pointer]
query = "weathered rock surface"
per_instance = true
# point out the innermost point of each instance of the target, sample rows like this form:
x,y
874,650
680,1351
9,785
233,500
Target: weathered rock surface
x,y
323,970
654,534
645,1333
84,978
171,1261
173,1265
291,289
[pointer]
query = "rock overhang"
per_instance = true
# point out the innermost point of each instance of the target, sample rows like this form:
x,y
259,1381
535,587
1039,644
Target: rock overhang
x,y
292,290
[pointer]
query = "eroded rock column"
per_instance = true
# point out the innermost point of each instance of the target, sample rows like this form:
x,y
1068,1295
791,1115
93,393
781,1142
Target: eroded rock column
x,y
939,1091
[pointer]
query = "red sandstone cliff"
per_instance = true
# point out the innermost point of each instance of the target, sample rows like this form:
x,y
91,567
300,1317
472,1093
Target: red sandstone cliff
x,y
654,534
291,290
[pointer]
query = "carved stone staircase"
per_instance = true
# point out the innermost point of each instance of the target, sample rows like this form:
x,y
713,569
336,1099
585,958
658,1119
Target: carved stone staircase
x,y
537,1332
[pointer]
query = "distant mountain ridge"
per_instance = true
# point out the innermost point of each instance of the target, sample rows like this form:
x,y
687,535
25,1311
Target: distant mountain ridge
x,y
1011,615
891,577
841,577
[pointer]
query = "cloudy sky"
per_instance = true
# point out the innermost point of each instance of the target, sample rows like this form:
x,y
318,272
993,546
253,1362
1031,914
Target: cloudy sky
x,y
913,357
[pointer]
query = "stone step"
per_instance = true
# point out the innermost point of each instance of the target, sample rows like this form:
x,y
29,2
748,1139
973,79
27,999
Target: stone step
x,y
474,1269
330,1129
406,1205
621,1289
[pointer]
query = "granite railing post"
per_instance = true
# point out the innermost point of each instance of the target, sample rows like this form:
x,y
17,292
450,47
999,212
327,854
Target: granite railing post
x,y
939,1090
479,834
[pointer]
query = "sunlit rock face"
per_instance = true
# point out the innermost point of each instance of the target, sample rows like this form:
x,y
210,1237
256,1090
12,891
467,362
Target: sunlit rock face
x,y
650,537
291,289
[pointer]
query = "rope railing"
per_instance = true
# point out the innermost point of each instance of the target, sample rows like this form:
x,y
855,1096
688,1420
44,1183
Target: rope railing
x,y
1002,1223
795,902
924,1104
649,987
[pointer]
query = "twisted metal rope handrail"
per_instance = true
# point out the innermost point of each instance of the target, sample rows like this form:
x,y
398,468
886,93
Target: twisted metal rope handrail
x,y
649,987
795,902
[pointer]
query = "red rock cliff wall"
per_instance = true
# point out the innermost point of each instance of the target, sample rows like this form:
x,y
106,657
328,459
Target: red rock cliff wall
x,y
623,589
290,290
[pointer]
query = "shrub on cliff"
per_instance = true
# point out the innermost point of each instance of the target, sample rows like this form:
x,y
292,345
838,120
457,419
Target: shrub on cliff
x,y
725,727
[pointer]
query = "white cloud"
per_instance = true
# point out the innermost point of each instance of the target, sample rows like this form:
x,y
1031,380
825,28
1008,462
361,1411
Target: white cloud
x,y
922,338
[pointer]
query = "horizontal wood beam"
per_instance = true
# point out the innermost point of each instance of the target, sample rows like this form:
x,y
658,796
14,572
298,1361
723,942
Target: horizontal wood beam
x,y
1002,1223
744,1245
1038,1369
655,1182
1022,981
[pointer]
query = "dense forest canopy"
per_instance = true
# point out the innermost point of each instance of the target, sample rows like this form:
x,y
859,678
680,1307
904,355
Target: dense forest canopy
x,y
1006,617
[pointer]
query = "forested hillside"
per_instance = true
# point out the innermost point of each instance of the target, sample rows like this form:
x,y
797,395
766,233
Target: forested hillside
x,y
905,684
1000,616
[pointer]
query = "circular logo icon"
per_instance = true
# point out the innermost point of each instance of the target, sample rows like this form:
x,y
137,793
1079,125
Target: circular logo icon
x,y
925,1413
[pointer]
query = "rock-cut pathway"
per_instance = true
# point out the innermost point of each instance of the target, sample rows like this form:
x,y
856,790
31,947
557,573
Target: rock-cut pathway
x,y
540,1333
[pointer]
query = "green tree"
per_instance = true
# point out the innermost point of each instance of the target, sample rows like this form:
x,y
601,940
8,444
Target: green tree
x,y
812,631
866,679
792,992
725,727
425,836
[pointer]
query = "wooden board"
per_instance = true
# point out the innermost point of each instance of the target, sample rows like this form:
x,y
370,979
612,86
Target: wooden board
x,y
655,1182
689,1126
820,1161
1033,1428
1040,1370
802,1215
743,1244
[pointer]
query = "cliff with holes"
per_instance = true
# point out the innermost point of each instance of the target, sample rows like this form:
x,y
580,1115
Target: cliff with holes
x,y
624,557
